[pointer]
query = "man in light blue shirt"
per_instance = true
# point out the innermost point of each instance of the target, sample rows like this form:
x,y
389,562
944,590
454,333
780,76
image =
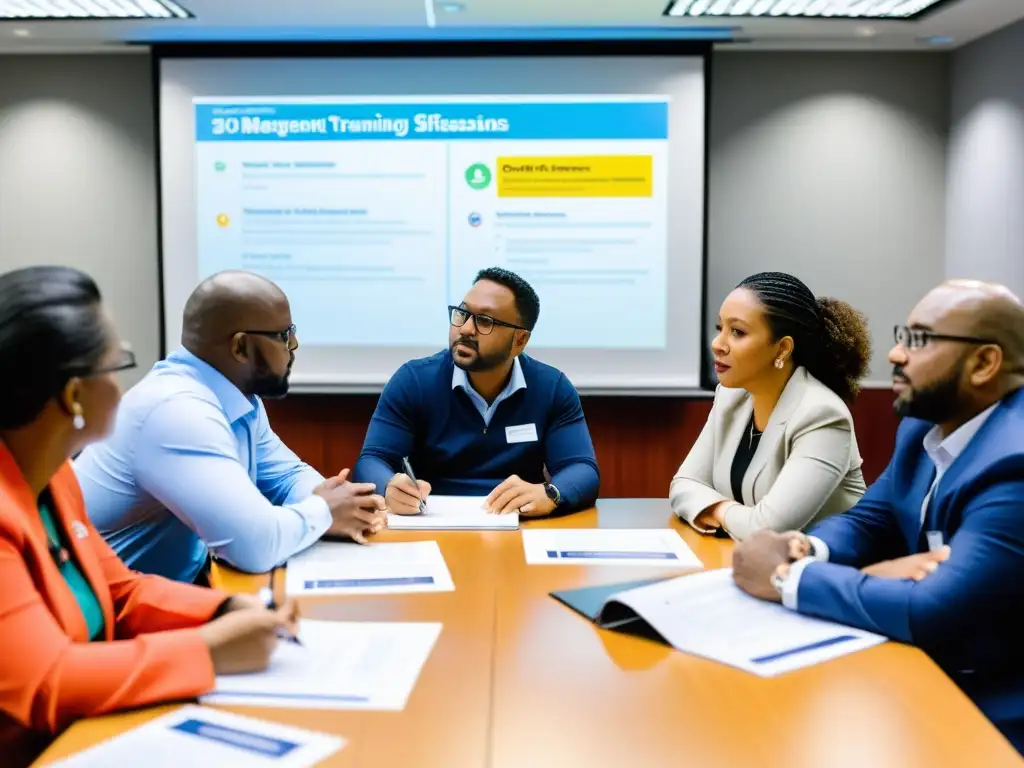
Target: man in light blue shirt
x,y
193,468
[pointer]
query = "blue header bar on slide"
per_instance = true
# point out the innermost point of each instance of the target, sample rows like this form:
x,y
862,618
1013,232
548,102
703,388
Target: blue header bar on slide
x,y
347,121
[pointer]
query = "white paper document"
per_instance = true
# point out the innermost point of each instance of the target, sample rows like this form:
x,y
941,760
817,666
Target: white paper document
x,y
706,614
661,547
200,737
459,513
340,665
329,568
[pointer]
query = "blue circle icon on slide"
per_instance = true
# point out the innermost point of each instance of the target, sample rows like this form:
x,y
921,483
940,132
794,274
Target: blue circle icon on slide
x,y
475,219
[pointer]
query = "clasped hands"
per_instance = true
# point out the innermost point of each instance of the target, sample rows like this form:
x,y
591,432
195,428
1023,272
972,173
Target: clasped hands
x,y
403,497
766,553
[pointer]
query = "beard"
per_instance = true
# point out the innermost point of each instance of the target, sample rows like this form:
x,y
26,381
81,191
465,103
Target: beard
x,y
480,362
935,403
266,383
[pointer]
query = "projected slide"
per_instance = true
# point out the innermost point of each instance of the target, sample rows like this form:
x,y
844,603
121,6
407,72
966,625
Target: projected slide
x,y
375,214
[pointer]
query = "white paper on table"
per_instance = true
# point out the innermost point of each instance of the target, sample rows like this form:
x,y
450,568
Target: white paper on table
x,y
329,568
340,665
660,547
462,513
200,737
707,615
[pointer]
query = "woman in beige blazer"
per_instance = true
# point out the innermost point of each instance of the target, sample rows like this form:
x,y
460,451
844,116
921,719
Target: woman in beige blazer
x,y
778,450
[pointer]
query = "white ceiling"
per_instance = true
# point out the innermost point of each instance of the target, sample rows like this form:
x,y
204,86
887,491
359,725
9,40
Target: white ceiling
x,y
225,20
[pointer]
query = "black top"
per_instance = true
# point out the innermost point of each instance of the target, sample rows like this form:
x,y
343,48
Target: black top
x,y
744,453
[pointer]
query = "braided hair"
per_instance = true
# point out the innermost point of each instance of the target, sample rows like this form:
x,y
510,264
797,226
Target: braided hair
x,y
830,338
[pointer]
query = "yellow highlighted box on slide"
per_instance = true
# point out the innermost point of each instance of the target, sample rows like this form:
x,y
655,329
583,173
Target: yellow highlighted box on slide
x,y
576,176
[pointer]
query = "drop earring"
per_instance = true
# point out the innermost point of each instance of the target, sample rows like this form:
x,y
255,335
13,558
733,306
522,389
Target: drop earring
x,y
78,421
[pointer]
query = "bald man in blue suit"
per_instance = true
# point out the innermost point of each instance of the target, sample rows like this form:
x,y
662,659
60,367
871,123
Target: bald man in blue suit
x,y
933,554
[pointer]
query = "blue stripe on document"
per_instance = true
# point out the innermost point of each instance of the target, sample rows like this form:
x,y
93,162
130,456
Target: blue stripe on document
x,y
578,554
397,581
271,695
803,649
251,742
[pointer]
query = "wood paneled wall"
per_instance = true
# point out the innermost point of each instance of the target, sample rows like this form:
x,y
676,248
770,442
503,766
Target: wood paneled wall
x,y
640,441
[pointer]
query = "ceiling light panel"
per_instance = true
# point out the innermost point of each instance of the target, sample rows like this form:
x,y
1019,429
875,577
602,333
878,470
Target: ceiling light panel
x,y
71,10
804,9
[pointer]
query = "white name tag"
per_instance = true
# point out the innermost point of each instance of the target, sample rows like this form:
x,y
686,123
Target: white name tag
x,y
522,433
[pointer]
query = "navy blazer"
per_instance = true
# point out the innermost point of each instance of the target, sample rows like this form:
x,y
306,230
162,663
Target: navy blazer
x,y
968,614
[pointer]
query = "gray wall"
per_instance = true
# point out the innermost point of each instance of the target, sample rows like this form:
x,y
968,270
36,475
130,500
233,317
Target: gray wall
x,y
830,166
78,180
985,214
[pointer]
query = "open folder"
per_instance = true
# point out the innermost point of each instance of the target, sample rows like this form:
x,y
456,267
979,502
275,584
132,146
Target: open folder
x,y
706,614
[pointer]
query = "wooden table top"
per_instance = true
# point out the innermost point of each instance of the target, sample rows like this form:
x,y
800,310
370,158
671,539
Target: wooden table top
x,y
517,680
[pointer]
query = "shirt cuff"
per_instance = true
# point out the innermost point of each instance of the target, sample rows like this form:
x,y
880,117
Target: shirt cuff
x,y
317,515
820,548
791,584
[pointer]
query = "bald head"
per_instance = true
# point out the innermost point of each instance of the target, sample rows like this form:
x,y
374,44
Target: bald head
x,y
228,302
984,310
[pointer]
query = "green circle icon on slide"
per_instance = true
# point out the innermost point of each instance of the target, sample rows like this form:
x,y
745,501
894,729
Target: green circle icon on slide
x,y
478,176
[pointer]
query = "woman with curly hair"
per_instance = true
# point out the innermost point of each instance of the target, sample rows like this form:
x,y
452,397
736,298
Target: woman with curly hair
x,y
778,450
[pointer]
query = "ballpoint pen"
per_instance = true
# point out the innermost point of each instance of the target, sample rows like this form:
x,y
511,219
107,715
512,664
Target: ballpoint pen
x,y
408,470
267,593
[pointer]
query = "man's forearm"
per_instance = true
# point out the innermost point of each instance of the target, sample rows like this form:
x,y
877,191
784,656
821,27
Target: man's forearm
x,y
371,468
578,484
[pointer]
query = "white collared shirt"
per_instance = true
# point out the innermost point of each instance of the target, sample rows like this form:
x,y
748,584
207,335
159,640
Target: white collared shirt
x,y
942,452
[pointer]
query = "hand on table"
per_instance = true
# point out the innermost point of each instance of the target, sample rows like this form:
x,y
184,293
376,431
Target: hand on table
x,y
915,567
517,495
712,518
356,509
403,496
243,639
755,560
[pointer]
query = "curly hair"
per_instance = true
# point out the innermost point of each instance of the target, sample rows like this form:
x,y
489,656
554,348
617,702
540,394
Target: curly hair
x,y
830,337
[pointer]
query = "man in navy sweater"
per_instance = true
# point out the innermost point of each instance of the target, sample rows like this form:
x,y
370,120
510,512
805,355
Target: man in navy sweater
x,y
482,418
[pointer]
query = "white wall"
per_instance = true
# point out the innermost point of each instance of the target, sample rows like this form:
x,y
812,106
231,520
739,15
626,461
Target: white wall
x,y
830,166
77,179
986,161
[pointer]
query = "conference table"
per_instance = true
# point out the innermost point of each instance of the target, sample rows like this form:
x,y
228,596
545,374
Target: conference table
x,y
517,680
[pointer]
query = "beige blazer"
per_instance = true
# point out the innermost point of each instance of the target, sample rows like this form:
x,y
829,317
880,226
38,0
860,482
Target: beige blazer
x,y
806,466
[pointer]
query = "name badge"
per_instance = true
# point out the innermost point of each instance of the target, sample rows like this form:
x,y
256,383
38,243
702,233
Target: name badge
x,y
522,433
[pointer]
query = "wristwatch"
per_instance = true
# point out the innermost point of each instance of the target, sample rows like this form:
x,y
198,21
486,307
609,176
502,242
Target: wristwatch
x,y
553,493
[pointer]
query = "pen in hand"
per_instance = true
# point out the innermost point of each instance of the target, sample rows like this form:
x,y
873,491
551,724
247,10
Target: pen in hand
x,y
407,467
267,593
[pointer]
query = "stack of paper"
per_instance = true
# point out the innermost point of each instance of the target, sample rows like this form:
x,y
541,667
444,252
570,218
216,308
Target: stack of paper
x,y
208,738
660,547
340,665
461,513
707,615
328,568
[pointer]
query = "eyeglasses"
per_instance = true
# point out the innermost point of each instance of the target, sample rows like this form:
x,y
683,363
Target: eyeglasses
x,y
459,316
287,336
915,338
125,362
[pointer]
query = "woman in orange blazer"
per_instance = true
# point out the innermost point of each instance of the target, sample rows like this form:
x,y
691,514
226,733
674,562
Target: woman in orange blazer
x,y
80,634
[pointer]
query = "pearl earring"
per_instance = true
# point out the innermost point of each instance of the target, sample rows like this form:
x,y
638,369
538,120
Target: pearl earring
x,y
78,422
779,363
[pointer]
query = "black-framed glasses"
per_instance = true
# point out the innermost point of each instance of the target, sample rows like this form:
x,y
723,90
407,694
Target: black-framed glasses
x,y
915,338
459,316
287,336
125,362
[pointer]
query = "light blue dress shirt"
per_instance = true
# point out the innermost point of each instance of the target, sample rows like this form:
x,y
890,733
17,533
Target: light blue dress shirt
x,y
460,380
193,466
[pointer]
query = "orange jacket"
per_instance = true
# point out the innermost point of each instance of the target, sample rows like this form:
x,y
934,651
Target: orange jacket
x,y
50,675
